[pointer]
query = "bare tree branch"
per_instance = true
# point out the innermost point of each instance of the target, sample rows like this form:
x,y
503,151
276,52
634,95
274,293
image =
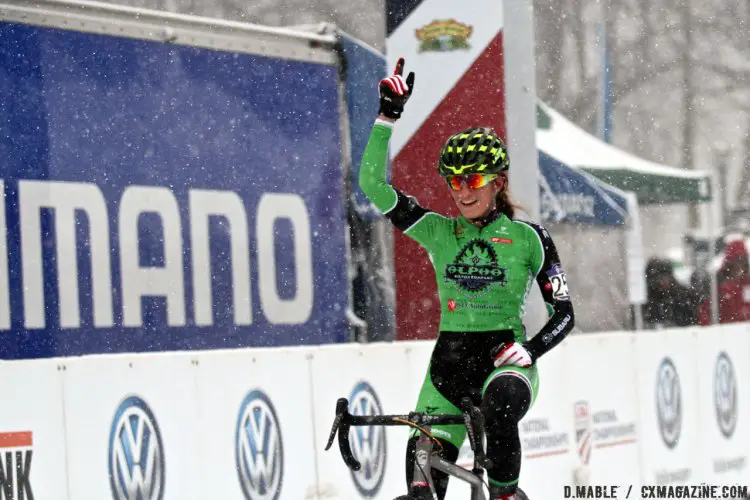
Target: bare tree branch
x,y
735,74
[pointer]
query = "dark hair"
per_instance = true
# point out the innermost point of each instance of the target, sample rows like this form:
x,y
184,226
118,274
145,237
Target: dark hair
x,y
503,202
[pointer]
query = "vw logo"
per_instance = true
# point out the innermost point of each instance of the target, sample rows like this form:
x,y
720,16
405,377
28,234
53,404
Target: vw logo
x,y
368,442
668,403
258,448
725,395
136,453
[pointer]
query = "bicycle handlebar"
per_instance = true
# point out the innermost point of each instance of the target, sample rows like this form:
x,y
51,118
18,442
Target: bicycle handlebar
x,y
471,418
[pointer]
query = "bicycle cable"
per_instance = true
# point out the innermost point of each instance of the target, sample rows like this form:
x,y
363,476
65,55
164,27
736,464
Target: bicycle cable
x,y
422,429
430,486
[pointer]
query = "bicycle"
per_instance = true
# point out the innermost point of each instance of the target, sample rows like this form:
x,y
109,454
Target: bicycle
x,y
427,455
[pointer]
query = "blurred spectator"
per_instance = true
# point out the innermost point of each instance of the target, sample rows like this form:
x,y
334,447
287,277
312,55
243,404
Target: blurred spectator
x,y
700,285
734,287
669,303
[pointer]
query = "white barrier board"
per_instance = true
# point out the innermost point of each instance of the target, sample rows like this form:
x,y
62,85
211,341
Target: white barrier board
x,y
256,434
132,427
32,430
651,408
724,393
604,402
667,377
547,430
374,380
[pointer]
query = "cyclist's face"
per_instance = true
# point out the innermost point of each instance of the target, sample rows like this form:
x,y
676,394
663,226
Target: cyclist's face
x,y
476,203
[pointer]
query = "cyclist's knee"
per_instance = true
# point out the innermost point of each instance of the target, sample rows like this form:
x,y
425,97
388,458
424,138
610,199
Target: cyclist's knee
x,y
506,400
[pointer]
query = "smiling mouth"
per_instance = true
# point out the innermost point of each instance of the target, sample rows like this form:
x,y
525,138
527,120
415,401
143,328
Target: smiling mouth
x,y
469,203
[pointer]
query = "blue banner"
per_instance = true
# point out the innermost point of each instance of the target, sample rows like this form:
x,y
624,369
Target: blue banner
x,y
567,195
364,69
165,197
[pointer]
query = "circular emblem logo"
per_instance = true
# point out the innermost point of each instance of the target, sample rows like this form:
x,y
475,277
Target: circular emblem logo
x,y
475,268
668,403
725,395
368,442
452,305
136,453
258,448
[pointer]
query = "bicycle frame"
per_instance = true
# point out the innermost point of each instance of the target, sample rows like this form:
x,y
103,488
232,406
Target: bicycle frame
x,y
425,458
425,461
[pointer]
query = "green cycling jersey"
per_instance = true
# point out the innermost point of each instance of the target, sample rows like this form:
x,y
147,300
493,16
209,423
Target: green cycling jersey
x,y
484,274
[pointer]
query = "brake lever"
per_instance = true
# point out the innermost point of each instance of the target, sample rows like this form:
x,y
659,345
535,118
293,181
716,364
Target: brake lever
x,y
342,406
346,449
481,457
341,426
474,419
467,410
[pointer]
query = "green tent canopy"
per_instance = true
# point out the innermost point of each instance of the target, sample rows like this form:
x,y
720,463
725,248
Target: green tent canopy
x,y
651,182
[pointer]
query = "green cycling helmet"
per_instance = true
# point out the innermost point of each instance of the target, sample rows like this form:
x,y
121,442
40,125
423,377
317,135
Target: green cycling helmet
x,y
473,151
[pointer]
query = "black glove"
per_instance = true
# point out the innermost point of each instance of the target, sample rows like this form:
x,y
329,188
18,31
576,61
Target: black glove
x,y
394,92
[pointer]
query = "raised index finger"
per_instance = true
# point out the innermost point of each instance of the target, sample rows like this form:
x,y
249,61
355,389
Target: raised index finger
x,y
399,67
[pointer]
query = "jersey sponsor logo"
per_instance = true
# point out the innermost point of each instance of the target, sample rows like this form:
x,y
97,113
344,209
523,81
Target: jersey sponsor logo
x,y
136,453
368,442
505,241
452,305
259,449
475,268
559,283
668,403
725,395
547,338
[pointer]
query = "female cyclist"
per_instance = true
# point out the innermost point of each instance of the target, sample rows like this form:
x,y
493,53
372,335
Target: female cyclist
x,y
485,262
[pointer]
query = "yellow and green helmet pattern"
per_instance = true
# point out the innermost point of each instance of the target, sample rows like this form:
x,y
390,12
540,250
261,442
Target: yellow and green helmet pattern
x,y
473,151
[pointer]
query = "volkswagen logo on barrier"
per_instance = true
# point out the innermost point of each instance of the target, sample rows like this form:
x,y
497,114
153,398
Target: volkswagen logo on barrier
x,y
136,453
368,442
668,403
725,395
258,448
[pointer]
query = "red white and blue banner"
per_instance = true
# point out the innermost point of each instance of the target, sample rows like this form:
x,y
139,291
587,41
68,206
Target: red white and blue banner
x,y
457,56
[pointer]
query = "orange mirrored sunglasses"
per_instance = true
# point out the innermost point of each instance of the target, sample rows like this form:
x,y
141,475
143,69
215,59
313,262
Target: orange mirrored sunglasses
x,y
472,181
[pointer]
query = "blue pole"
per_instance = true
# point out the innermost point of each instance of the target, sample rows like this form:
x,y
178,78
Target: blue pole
x,y
606,102
607,89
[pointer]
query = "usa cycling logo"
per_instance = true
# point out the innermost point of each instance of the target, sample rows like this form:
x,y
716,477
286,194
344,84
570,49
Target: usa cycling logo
x,y
368,442
136,453
725,395
259,451
668,403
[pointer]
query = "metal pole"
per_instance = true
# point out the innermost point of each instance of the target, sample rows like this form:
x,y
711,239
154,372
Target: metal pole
x,y
638,311
604,118
520,113
712,237
521,102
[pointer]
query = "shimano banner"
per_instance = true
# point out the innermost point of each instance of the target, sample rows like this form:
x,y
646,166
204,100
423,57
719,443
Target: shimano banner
x,y
162,197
